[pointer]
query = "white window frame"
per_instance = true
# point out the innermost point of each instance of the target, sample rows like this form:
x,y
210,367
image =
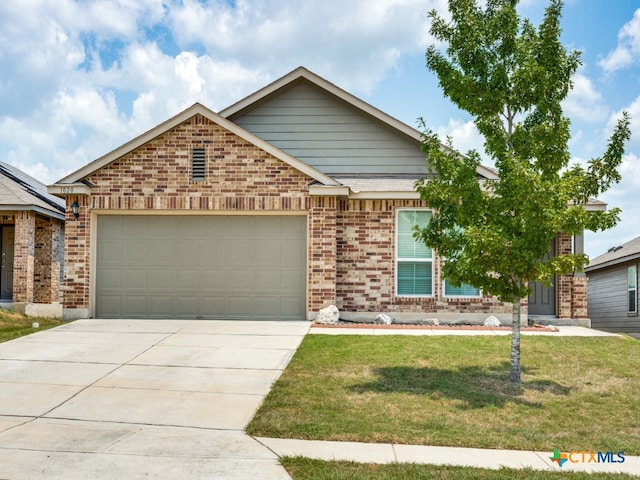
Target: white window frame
x,y
444,292
398,260
632,288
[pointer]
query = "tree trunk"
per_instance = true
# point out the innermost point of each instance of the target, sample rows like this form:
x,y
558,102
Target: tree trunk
x,y
515,342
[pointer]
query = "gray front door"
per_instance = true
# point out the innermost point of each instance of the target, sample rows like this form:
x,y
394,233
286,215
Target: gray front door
x,y
236,267
543,299
6,262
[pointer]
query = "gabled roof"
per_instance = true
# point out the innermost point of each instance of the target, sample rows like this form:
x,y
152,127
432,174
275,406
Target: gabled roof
x,y
19,191
195,109
302,73
615,255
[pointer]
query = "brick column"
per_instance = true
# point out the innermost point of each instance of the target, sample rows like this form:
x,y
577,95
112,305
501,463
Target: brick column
x,y
579,297
57,250
322,253
564,289
43,256
24,257
76,258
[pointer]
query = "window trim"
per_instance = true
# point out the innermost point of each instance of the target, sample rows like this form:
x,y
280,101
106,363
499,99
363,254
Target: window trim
x,y
397,260
633,289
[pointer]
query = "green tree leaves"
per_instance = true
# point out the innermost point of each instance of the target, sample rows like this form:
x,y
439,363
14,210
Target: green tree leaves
x,y
511,77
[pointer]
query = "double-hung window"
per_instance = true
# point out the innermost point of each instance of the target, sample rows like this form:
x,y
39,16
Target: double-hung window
x,y
414,260
632,289
464,290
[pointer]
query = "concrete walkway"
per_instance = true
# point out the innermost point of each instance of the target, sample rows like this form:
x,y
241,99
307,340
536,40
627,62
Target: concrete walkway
x,y
568,331
382,453
132,399
136,399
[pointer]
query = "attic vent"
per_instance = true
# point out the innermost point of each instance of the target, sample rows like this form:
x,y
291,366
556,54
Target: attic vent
x,y
198,164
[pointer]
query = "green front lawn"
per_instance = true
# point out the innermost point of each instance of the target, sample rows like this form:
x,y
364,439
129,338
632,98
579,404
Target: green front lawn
x,y
307,469
576,394
14,325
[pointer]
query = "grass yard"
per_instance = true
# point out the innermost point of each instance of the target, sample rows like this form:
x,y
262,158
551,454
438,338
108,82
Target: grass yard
x,y
14,325
576,393
306,469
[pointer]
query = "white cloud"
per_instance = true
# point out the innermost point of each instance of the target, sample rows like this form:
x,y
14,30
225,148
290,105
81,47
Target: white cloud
x,y
627,51
625,196
354,43
633,109
464,135
584,102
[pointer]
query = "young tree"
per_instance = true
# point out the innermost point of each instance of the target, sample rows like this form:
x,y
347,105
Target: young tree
x,y
512,78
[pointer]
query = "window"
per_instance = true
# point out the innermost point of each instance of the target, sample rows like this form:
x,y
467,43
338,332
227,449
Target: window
x,y
464,290
414,261
632,289
198,166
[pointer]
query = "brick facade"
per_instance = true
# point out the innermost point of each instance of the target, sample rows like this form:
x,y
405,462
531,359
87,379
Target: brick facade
x,y
77,247
366,266
572,291
351,256
24,256
37,257
240,177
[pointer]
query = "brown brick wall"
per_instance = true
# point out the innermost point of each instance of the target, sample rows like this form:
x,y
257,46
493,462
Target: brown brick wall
x,y
49,234
322,253
579,297
77,246
240,177
366,265
24,257
43,258
572,291
37,261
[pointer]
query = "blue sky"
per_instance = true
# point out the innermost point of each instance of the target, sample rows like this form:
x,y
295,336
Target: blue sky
x,y
81,77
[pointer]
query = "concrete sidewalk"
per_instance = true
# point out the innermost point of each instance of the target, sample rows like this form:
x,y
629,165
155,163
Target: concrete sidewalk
x,y
470,457
568,331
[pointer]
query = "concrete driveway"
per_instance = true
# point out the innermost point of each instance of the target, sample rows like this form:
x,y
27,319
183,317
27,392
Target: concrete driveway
x,y
131,399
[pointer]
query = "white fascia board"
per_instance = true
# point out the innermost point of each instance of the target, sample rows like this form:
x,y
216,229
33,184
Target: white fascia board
x,y
380,195
328,190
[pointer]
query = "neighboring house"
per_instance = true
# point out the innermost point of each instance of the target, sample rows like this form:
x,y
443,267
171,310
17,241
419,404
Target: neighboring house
x,y
31,244
297,197
613,288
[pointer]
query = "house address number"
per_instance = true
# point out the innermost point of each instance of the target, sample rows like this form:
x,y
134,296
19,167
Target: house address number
x,y
67,189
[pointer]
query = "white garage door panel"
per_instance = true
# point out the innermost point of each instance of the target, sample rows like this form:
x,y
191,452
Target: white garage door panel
x,y
201,267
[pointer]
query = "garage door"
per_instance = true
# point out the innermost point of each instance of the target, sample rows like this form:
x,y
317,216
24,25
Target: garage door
x,y
235,267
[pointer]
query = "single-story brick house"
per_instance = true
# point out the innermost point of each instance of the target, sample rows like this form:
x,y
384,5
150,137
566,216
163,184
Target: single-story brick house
x,y
31,244
613,288
297,197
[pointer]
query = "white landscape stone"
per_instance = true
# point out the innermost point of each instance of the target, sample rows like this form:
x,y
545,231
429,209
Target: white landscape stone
x,y
491,321
383,319
328,316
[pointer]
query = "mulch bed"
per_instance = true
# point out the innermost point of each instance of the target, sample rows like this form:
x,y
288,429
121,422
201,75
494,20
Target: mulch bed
x,y
540,328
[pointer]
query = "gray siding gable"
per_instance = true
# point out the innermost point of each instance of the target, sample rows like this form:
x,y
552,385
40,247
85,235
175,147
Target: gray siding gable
x,y
331,135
